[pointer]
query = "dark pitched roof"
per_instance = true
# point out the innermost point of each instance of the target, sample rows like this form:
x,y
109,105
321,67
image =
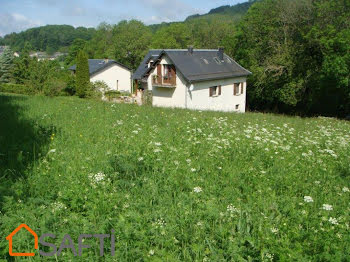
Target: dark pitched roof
x,y
200,65
96,65
141,70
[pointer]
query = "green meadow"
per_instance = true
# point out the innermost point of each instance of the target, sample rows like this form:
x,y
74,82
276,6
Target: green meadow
x,y
174,185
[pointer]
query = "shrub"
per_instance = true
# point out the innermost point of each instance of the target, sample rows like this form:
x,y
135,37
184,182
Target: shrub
x,y
82,74
54,87
112,94
16,89
93,92
70,85
101,86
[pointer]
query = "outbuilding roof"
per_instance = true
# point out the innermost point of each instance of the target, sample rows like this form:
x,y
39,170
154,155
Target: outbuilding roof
x,y
96,65
195,65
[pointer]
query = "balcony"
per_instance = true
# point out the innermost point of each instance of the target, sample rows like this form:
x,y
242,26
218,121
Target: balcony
x,y
164,81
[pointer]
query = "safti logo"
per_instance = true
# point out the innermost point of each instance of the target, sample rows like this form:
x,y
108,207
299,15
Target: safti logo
x,y
9,238
63,244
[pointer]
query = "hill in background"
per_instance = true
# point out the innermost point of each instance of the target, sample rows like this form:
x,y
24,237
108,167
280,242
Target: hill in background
x,y
49,38
52,38
234,12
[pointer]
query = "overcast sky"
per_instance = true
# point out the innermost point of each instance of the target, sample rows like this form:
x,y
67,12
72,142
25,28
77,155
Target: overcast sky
x,y
18,15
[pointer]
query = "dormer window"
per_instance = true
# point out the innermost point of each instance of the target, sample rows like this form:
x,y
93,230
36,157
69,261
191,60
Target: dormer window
x,y
217,60
205,61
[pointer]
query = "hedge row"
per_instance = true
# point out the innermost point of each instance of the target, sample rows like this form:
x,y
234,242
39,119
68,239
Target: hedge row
x,y
16,89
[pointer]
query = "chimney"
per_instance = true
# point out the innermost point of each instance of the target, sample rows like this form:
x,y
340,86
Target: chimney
x,y
190,49
221,53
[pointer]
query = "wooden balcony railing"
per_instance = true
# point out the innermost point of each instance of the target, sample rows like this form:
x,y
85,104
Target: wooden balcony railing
x,y
164,81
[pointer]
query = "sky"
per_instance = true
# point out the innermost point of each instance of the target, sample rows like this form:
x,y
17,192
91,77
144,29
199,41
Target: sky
x,y
18,15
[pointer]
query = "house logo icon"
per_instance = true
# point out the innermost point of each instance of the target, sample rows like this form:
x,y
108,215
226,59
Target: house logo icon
x,y
9,238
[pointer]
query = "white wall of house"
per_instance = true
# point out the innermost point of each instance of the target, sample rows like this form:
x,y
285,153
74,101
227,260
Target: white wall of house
x,y
196,96
115,76
168,97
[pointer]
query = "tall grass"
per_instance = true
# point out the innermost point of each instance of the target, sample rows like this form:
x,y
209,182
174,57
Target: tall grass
x,y
177,185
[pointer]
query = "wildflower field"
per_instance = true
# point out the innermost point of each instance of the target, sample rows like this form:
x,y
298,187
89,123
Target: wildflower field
x,y
174,185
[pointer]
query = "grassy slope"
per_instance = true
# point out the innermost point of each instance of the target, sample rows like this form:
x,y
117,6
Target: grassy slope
x,y
253,169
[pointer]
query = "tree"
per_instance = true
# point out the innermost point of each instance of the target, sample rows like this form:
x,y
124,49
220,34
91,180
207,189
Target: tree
x,y
82,74
6,65
78,44
299,55
102,44
173,36
132,40
39,73
22,66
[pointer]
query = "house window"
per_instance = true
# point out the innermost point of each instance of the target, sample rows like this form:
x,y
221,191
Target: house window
x,y
237,89
214,91
167,71
237,107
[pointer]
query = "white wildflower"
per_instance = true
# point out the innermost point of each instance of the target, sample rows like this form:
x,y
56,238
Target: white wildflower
x,y
345,189
197,189
96,178
274,230
193,169
232,210
151,252
140,159
308,199
333,221
327,207
57,206
159,223
269,256
52,151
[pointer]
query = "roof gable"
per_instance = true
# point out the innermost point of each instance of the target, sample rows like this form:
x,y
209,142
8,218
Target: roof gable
x,y
143,67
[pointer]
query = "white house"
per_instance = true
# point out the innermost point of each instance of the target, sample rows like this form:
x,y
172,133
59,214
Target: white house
x,y
114,74
193,79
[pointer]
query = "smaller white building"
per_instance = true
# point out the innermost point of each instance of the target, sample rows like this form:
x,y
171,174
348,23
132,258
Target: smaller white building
x,y
115,75
195,79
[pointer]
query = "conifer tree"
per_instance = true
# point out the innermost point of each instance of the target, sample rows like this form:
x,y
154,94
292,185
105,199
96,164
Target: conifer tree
x,y
22,70
82,74
6,65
